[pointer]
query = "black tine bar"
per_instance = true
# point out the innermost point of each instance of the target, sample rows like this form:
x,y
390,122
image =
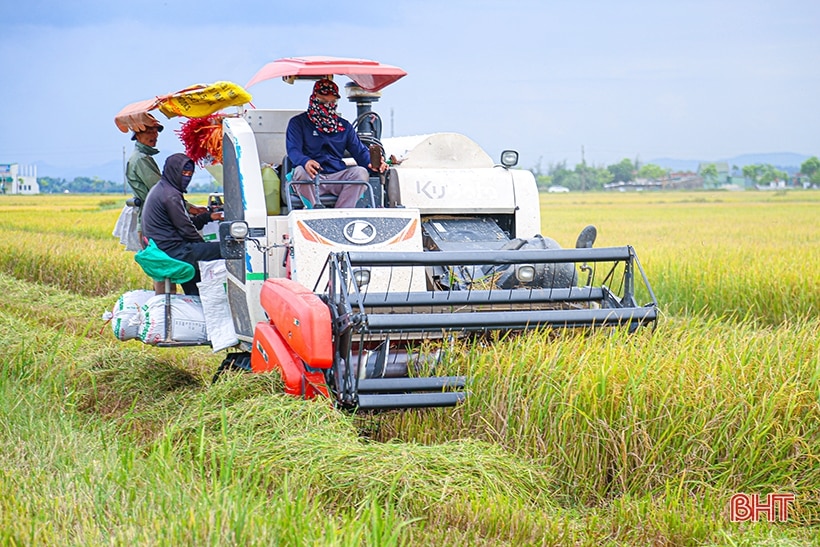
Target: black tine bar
x,y
467,258
511,319
478,297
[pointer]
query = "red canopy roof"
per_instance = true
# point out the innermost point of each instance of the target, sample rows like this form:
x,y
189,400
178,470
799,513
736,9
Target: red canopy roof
x,y
369,75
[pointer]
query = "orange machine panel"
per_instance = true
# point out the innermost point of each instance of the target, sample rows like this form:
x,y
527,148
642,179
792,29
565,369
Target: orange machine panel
x,y
302,320
270,352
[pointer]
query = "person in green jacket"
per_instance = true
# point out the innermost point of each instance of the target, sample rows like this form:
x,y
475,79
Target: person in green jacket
x,y
142,171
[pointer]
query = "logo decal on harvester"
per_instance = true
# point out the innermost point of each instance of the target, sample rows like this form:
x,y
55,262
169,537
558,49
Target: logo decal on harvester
x,y
370,230
432,191
359,232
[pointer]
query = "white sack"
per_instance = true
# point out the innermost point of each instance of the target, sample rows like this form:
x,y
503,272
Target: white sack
x,y
187,320
212,293
126,315
210,232
126,229
218,321
213,270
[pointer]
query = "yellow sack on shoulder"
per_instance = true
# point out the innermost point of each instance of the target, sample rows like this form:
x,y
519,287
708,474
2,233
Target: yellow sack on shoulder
x,y
203,100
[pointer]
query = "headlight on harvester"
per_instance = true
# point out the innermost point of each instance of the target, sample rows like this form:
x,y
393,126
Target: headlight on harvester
x,y
239,229
509,158
525,273
361,276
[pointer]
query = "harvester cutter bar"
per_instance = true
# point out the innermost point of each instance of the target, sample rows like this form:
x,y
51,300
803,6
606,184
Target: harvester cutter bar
x,y
487,302
460,310
433,383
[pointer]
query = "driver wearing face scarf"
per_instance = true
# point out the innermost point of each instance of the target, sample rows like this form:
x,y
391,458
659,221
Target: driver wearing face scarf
x,y
323,114
165,218
317,141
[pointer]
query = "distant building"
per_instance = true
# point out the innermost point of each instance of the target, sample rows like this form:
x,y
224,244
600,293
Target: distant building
x,y
682,180
722,179
637,185
18,179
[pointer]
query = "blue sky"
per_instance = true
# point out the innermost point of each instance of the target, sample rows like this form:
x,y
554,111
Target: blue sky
x,y
637,78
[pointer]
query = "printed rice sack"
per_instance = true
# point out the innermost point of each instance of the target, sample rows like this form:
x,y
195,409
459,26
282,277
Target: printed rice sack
x,y
187,320
126,315
221,332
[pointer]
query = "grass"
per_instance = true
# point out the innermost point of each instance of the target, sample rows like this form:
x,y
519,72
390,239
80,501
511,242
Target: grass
x,y
729,255
566,439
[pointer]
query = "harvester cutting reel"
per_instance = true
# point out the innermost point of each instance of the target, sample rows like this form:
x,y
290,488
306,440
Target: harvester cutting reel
x,y
376,334
388,339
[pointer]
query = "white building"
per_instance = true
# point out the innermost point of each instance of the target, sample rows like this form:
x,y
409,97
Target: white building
x,y
18,179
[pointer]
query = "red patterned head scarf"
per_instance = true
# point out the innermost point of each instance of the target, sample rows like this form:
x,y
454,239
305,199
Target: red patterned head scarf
x,y
323,115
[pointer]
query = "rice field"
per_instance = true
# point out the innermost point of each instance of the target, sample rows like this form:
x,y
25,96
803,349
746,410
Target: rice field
x,y
567,438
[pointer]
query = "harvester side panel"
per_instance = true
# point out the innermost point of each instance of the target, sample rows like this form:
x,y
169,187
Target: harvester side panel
x,y
270,128
456,191
437,151
528,204
302,319
271,353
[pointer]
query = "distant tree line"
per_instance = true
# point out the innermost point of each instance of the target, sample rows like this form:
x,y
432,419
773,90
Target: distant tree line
x,y
588,177
95,185
811,170
583,177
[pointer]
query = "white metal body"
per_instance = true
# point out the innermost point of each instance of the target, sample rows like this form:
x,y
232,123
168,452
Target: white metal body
x,y
439,174
449,174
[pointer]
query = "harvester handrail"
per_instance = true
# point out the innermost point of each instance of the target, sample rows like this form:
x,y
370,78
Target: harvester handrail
x,y
466,258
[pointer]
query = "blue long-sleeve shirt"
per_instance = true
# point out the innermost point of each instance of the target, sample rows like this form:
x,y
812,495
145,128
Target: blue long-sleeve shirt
x,y
305,142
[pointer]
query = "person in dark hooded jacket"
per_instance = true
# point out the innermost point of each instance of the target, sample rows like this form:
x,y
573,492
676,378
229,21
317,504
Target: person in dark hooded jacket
x,y
165,219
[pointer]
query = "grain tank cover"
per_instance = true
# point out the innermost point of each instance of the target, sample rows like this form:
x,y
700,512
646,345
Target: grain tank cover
x,y
437,151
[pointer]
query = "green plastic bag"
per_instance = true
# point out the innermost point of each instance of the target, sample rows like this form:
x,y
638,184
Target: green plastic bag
x,y
159,266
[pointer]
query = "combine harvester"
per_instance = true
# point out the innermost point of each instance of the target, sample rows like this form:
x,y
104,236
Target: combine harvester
x,y
358,305
340,300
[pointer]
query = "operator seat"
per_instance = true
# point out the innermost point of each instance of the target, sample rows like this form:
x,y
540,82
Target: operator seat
x,y
292,201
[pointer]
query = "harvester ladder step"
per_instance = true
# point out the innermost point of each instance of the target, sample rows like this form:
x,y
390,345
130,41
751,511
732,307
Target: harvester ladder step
x,y
410,400
433,383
